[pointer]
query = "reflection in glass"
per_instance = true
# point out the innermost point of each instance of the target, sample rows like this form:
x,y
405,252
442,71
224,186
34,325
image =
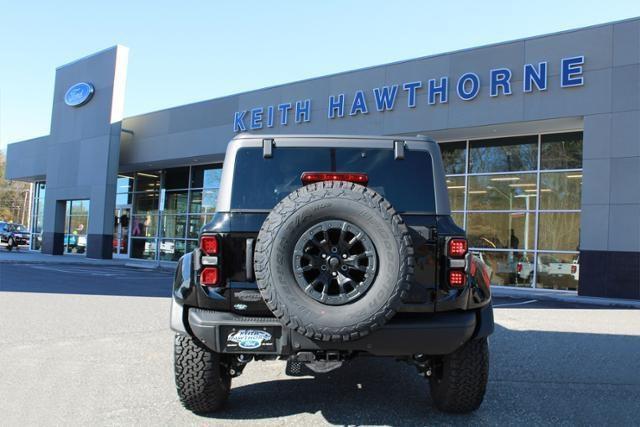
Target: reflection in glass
x,y
146,181
175,202
502,192
501,230
508,268
172,250
559,231
560,190
503,154
144,225
456,190
143,248
195,224
458,218
207,176
174,225
558,271
454,156
145,203
561,151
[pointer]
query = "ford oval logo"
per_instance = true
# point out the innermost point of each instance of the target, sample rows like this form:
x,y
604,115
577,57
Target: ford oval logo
x,y
79,94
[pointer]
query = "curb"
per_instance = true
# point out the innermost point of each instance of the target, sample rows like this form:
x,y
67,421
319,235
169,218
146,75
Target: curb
x,y
88,264
562,296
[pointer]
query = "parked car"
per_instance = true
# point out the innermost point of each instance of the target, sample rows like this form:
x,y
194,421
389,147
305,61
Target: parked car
x,y
12,236
324,249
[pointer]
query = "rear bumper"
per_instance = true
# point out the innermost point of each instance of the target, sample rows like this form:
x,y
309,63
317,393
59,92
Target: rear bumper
x,y
430,334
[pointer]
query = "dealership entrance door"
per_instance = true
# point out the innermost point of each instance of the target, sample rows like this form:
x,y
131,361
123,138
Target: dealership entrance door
x,y
121,232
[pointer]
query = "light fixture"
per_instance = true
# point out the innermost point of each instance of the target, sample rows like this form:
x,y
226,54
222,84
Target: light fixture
x,y
531,190
524,184
505,178
575,176
477,191
147,174
455,187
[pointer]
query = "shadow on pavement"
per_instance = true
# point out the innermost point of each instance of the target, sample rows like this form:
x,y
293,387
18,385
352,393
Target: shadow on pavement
x,y
536,378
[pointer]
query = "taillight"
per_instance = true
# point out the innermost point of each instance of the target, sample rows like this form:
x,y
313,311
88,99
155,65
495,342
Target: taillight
x,y
209,276
457,248
574,268
519,267
355,177
457,278
209,245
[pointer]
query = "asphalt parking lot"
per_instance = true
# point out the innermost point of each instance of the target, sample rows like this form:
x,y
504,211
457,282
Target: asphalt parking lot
x,y
91,345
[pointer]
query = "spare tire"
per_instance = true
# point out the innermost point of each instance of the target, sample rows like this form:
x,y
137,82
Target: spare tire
x,y
333,261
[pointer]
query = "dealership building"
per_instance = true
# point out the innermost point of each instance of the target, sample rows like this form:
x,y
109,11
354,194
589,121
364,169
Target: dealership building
x,y
540,139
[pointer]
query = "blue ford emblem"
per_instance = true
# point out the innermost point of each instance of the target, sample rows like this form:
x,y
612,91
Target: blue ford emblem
x,y
78,94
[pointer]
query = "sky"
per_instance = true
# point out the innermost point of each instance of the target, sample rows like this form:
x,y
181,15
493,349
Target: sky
x,y
188,51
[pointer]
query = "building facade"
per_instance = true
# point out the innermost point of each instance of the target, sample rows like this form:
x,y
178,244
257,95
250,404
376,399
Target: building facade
x,y
540,138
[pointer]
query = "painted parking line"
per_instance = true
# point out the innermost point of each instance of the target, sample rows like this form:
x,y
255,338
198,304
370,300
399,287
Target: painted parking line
x,y
516,303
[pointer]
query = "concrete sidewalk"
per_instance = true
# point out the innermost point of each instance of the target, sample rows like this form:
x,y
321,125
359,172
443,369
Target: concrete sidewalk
x,y
562,296
24,256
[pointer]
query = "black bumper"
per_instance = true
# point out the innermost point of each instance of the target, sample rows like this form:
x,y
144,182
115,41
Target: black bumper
x,y
432,334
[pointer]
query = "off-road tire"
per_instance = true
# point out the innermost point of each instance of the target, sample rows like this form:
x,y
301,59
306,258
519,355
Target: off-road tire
x,y
459,383
203,384
295,214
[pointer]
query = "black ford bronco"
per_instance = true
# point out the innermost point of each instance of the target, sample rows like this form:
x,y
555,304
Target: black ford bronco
x,y
326,248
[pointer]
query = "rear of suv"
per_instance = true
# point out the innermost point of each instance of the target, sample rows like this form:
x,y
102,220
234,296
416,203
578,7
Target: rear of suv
x,y
327,248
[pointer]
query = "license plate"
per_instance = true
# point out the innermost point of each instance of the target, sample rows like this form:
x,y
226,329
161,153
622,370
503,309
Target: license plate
x,y
246,339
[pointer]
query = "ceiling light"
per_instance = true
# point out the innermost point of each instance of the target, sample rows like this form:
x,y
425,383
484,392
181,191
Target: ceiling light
x,y
477,191
575,176
522,185
455,187
147,174
506,178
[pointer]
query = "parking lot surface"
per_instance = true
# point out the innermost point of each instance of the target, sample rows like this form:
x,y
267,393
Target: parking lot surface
x,y
85,345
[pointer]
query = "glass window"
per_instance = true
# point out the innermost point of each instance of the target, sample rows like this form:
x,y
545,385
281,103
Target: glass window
x,y
176,178
174,225
175,202
458,218
203,201
123,199
143,248
559,231
503,154
502,192
195,224
146,181
207,176
387,176
124,184
454,156
560,190
172,250
558,271
508,268
561,151
145,203
501,230
144,225
456,190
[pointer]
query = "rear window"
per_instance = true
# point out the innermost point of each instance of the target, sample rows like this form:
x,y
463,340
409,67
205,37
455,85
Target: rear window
x,y
260,183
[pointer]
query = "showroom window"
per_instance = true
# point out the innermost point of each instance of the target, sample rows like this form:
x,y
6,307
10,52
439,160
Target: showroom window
x,y
188,196
76,220
518,198
37,215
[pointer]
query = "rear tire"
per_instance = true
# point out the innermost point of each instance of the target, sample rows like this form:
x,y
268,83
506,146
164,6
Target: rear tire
x,y
10,244
202,381
460,381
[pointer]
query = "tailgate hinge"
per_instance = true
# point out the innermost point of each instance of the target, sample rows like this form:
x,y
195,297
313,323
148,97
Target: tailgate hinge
x,y
267,148
398,150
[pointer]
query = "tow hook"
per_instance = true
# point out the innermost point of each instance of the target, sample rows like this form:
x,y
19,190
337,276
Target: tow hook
x,y
237,365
